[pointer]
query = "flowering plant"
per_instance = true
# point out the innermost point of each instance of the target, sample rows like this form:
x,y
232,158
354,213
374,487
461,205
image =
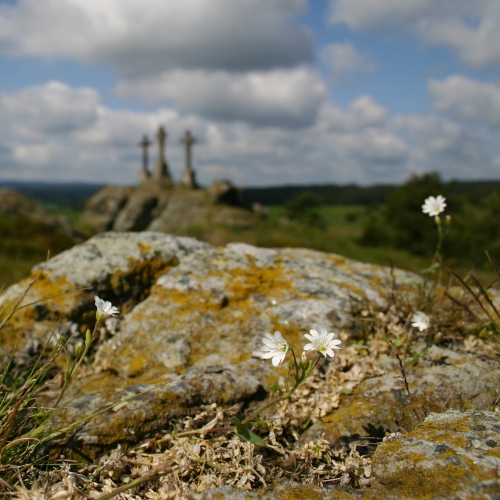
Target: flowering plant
x,y
434,206
104,310
421,321
276,348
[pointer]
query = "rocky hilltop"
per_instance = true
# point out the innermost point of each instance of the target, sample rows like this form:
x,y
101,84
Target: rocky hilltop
x,y
186,344
177,210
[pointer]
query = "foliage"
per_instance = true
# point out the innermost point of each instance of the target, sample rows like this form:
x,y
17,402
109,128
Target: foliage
x,y
303,207
399,223
24,243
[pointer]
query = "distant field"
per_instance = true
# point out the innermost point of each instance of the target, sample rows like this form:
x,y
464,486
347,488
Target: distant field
x,y
23,245
343,226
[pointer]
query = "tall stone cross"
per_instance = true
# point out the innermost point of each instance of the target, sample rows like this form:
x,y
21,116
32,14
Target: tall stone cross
x,y
161,174
188,176
144,144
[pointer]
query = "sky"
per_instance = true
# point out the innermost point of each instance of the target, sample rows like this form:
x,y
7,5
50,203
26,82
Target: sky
x,y
276,92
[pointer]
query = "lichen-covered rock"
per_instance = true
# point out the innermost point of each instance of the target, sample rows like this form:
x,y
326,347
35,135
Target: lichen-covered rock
x,y
186,305
286,490
146,407
442,379
220,301
119,267
450,455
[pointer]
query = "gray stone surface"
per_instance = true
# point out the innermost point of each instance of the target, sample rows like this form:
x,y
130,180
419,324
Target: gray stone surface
x,y
140,210
225,192
120,267
450,455
176,210
151,407
102,208
442,379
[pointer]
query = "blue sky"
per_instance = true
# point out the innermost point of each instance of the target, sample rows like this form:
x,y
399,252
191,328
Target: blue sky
x,y
276,91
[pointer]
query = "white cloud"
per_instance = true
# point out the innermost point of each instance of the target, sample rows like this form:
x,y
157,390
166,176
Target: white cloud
x,y
37,155
360,143
346,63
467,99
470,27
437,143
368,14
361,113
288,98
372,146
150,36
52,108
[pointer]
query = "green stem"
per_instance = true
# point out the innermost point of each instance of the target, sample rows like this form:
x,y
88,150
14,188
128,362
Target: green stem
x,y
299,380
71,371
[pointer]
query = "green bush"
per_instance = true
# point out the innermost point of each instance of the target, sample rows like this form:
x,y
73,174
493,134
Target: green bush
x,y
303,208
401,224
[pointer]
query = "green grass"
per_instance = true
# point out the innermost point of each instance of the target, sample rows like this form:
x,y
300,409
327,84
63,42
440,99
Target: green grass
x,y
339,233
338,229
71,213
24,242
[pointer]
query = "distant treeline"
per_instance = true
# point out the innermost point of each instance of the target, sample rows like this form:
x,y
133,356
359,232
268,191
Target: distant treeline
x,y
68,195
330,194
352,194
75,194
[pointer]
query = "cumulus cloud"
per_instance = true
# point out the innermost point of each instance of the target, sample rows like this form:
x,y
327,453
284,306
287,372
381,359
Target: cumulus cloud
x,y
84,139
467,99
455,149
346,63
151,36
471,28
52,108
61,132
288,98
361,113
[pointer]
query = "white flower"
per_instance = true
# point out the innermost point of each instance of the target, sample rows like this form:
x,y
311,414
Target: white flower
x,y
420,320
275,347
322,342
434,206
104,309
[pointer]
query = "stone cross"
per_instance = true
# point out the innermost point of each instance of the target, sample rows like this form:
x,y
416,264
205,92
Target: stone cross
x,y
188,140
188,176
161,174
144,144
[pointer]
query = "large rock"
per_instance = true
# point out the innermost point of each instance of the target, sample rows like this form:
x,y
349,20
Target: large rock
x,y
450,455
179,211
189,308
442,379
102,209
141,208
191,210
225,192
120,267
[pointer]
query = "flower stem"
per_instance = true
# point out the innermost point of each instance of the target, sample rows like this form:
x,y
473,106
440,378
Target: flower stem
x,y
72,370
